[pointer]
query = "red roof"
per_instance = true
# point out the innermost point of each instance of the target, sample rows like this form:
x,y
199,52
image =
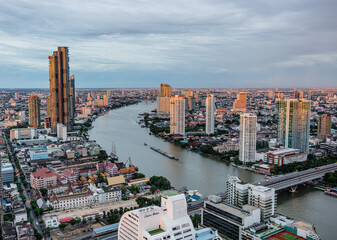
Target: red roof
x,y
43,172
62,220
72,172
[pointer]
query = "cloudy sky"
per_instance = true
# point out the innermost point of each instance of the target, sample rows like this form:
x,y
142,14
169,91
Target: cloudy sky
x,y
186,43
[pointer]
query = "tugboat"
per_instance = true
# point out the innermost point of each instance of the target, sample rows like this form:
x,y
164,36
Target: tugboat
x,y
145,144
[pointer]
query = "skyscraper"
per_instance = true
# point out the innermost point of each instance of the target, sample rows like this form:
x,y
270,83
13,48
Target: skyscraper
x,y
240,104
294,123
164,98
177,117
165,90
60,89
210,107
296,94
34,111
324,127
309,95
247,137
301,94
72,96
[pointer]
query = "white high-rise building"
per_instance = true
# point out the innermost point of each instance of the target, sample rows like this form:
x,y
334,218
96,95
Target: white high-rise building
x,y
177,116
247,137
22,115
263,198
170,221
236,191
62,132
210,107
239,194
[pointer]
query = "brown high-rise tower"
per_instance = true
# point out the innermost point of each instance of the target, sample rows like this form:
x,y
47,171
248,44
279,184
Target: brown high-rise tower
x,y
60,89
34,111
324,127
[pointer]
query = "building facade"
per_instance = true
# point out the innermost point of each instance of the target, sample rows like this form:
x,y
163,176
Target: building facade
x,y
164,98
210,108
294,123
170,221
177,116
43,178
247,137
240,104
62,132
61,105
34,111
7,173
229,220
324,127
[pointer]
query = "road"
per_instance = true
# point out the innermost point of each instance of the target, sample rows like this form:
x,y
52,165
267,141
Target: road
x,y
35,223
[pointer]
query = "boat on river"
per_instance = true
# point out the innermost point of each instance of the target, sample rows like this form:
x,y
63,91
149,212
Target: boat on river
x,y
164,153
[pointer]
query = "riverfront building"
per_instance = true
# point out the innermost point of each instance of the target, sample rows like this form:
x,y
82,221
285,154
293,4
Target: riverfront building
x,y
247,137
240,104
240,194
284,156
324,127
34,111
164,98
229,220
294,123
62,90
177,117
210,107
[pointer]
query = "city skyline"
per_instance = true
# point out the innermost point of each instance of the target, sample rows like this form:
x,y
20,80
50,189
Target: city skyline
x,y
141,44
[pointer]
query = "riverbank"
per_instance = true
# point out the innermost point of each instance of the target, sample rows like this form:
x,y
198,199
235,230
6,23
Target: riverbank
x,y
196,171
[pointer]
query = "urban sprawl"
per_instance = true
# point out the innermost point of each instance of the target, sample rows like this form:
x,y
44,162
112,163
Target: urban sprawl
x,y
56,183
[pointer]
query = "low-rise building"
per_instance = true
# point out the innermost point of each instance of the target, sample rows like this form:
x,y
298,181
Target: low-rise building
x,y
228,219
23,133
170,221
7,173
52,221
284,156
43,178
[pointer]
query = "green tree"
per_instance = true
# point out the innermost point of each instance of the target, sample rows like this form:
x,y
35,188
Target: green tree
x,y
62,226
43,192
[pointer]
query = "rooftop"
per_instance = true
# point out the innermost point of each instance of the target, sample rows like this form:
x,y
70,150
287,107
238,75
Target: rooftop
x,y
106,228
156,231
169,193
232,209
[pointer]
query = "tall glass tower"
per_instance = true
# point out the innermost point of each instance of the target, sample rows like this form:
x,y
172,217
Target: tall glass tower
x,y
294,123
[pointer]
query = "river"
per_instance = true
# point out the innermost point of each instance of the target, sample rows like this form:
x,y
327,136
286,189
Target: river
x,y
198,172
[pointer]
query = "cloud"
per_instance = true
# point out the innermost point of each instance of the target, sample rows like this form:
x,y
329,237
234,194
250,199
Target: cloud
x,y
172,37
311,60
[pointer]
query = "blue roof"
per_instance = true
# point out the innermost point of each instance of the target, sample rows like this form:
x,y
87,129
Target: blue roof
x,y
196,197
205,234
106,228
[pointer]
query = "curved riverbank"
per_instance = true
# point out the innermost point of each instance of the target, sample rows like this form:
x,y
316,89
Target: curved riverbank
x,y
197,171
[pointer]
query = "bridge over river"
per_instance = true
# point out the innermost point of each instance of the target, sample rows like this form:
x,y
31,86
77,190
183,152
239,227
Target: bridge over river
x,y
293,179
